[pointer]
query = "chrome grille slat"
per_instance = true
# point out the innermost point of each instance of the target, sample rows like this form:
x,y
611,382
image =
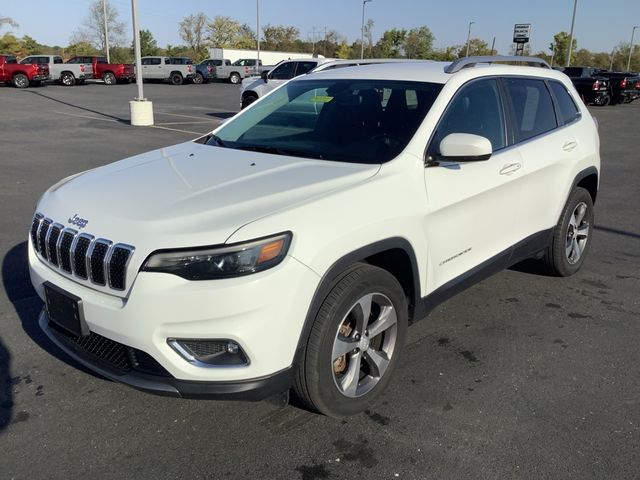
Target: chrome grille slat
x,y
81,255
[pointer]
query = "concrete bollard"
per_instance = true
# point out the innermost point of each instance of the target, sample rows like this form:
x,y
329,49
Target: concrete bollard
x,y
141,113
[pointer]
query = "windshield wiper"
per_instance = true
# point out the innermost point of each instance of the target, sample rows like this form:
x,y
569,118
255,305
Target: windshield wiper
x,y
281,151
216,139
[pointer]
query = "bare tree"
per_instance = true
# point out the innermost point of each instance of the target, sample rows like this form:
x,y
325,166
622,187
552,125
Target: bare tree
x,y
8,21
192,32
93,26
368,34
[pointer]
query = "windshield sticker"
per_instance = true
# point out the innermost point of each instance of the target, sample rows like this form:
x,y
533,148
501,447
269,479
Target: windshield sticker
x,y
321,99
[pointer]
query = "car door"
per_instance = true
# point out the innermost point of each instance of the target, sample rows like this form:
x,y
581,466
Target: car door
x,y
546,150
283,72
471,206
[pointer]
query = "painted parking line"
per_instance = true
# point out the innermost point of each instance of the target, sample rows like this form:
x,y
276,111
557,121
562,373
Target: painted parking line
x,y
86,116
186,123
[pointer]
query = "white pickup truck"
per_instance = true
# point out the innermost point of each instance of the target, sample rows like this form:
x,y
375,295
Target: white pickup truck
x,y
67,74
236,71
175,70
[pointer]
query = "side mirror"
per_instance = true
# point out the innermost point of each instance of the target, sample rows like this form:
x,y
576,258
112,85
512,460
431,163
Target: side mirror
x,y
465,147
265,76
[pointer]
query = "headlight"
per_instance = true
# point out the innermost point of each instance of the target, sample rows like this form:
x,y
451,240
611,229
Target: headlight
x,y
209,263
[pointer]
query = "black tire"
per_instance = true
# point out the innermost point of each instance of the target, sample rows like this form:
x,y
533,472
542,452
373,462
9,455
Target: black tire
x,y
109,78
317,378
560,257
602,101
37,83
235,78
67,79
198,79
176,79
248,100
20,80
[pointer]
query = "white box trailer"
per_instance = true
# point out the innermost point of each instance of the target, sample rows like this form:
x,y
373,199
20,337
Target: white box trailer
x,y
266,57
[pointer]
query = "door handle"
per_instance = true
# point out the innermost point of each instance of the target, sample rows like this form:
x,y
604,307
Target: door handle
x,y
510,168
569,145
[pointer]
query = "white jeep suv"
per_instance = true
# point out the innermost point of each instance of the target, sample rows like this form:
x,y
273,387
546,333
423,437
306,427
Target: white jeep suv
x,y
292,246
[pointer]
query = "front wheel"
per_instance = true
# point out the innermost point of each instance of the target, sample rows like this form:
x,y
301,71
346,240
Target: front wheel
x,y
572,235
67,79
198,79
235,78
20,80
354,343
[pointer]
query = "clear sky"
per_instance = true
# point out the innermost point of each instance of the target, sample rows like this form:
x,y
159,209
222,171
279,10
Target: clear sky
x,y
600,25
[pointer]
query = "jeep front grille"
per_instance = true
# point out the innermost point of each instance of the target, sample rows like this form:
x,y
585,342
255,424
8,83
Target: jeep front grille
x,y
81,254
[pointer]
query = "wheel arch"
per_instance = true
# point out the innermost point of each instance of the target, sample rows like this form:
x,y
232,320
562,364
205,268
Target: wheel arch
x,y
395,255
587,179
173,72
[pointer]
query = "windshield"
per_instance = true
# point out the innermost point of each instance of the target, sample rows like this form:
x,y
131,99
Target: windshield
x,y
357,121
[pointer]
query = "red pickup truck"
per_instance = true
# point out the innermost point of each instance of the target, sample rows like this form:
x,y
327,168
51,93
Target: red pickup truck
x,y
21,75
110,73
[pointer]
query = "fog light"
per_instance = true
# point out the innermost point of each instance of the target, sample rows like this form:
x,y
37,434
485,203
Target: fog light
x,y
209,352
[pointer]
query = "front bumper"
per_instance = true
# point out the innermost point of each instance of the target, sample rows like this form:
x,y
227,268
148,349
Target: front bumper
x,y
263,313
254,389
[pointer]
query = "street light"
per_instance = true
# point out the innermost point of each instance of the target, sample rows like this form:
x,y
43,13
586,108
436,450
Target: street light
x,y
364,2
633,31
258,34
106,29
573,22
141,109
469,37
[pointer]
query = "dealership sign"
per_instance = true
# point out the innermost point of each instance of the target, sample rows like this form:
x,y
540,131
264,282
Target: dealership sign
x,y
521,32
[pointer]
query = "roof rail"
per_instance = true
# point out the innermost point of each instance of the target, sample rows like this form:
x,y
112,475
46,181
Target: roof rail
x,y
461,63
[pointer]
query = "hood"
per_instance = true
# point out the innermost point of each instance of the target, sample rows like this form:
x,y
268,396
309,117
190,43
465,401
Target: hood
x,y
191,194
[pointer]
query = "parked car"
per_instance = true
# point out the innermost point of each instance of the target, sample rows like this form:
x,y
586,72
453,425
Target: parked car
x,y
64,73
293,245
21,75
253,88
109,73
172,69
622,85
233,72
593,87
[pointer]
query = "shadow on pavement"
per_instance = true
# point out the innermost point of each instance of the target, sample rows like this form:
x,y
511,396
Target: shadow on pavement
x,y
222,115
27,304
6,398
124,121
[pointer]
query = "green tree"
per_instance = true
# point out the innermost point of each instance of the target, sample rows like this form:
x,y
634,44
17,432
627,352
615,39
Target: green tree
x,y
280,37
80,48
30,46
342,50
445,54
561,47
223,32
391,45
148,44
192,31
122,55
10,44
418,43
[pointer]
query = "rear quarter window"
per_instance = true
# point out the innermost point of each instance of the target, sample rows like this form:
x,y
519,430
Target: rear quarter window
x,y
567,108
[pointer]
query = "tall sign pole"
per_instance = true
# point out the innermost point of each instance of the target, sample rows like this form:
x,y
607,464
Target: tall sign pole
x,y
141,109
521,36
573,22
106,29
258,33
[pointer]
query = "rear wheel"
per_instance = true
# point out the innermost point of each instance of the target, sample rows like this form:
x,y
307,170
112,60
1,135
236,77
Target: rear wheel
x,y
67,79
572,235
354,343
198,79
109,78
176,79
234,78
20,80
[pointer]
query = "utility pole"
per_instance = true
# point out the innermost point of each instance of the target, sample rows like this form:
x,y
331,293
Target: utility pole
x,y
493,44
364,2
106,29
469,38
258,33
633,31
573,22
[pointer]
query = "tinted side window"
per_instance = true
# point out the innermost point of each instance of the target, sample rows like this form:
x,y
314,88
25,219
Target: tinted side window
x,y
533,107
567,109
476,109
155,61
284,71
304,67
57,60
101,60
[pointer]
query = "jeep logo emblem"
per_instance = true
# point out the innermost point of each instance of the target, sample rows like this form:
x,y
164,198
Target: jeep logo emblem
x,y
79,222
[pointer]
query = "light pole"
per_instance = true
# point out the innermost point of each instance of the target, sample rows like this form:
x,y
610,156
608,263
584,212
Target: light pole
x,y
553,52
573,22
364,2
258,34
633,31
106,29
469,38
141,109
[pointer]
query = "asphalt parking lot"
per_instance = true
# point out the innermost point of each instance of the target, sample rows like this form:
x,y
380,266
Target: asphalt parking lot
x,y
521,376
